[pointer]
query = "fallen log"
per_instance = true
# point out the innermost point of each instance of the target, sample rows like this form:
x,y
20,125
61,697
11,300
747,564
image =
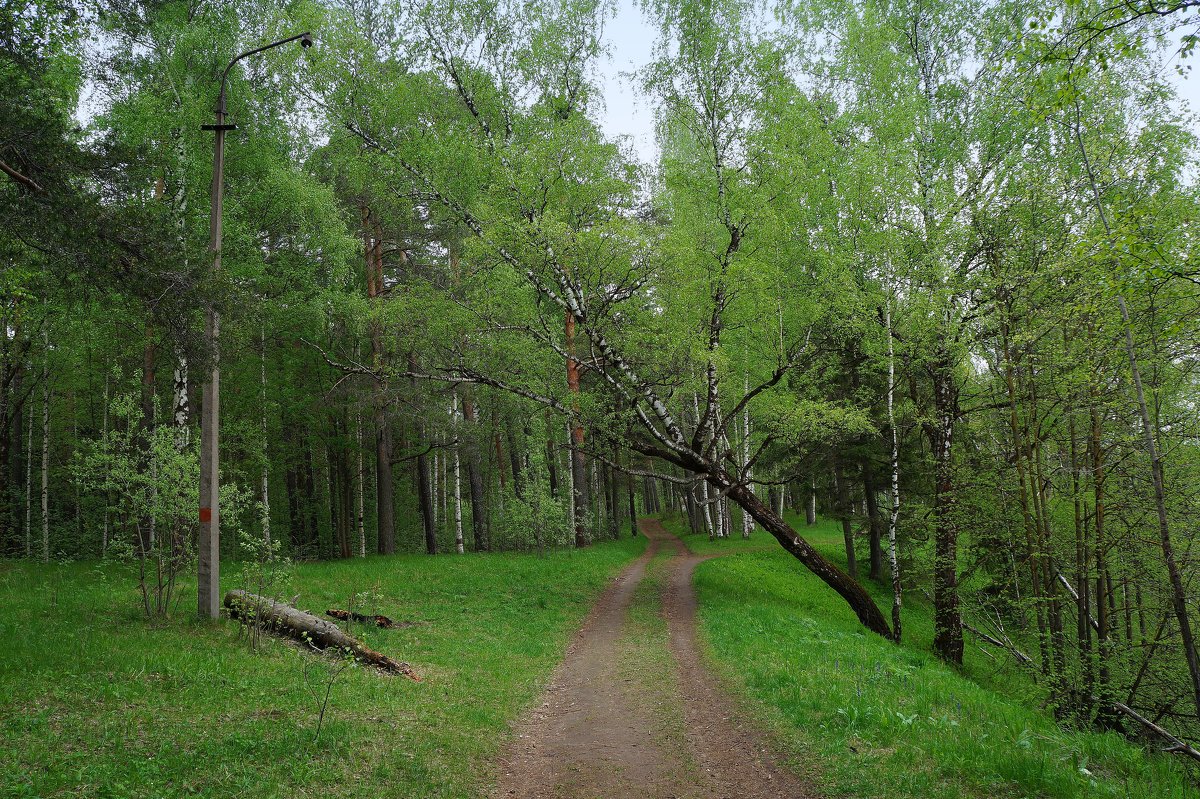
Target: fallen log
x,y
1177,745
286,620
377,619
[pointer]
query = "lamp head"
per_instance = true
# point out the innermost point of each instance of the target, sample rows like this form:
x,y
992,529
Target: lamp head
x,y
306,40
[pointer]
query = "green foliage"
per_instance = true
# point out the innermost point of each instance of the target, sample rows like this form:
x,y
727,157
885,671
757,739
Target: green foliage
x,y
151,487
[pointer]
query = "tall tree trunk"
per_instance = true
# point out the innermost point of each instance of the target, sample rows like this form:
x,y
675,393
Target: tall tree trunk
x,y
424,490
747,519
551,459
578,466
46,447
514,458
893,517
434,484
346,496
874,521
810,507
180,409
311,526
1100,549
1083,611
266,467
1022,458
360,488
336,522
842,490
633,528
458,525
29,484
855,595
475,478
947,621
148,524
498,448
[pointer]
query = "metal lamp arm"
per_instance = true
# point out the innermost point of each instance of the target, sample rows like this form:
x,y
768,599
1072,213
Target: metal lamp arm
x,y
306,38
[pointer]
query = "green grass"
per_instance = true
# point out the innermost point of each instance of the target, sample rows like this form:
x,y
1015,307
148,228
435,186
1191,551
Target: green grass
x,y
96,702
883,721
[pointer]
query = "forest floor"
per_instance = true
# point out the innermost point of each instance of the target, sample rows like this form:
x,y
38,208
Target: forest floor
x,y
633,712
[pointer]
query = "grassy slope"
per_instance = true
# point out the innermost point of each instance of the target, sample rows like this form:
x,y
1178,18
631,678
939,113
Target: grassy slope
x,y
96,702
883,721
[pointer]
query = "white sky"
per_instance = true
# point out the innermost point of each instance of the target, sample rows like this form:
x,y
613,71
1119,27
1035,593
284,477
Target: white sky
x,y
630,40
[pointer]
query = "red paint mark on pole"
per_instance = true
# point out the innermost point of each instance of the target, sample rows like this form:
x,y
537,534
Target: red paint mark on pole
x,y
206,515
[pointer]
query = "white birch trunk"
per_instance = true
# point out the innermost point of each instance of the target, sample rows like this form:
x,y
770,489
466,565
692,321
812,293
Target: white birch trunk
x,y
704,503
570,471
179,400
598,524
266,466
153,474
458,527
104,433
812,501
436,497
46,448
29,485
747,519
897,594
445,478
362,530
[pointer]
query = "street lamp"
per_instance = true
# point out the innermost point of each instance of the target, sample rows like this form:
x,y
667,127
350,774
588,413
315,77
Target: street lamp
x,y
209,549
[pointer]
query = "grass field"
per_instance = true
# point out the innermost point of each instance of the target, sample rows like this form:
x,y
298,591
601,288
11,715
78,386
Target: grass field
x,y
96,702
876,720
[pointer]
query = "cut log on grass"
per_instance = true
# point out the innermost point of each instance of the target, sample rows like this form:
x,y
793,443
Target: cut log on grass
x,y
378,620
286,620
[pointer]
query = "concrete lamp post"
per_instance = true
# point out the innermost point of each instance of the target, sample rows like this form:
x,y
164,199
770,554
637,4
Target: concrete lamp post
x,y
209,548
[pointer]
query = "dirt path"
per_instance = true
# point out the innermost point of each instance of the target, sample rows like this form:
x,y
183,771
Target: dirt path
x,y
631,711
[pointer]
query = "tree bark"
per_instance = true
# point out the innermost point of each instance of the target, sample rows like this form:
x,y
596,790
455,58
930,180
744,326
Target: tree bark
x,y
514,458
46,447
29,487
947,621
810,507
874,521
307,628
843,510
747,519
265,477
893,517
458,523
359,487
475,479
578,465
849,589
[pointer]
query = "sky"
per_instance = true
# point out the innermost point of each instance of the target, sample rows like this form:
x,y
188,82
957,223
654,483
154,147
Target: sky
x,y
630,39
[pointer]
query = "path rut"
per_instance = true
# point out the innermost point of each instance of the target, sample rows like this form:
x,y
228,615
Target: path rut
x,y
598,734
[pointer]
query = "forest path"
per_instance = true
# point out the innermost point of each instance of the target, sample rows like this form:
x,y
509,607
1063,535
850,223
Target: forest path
x,y
632,711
